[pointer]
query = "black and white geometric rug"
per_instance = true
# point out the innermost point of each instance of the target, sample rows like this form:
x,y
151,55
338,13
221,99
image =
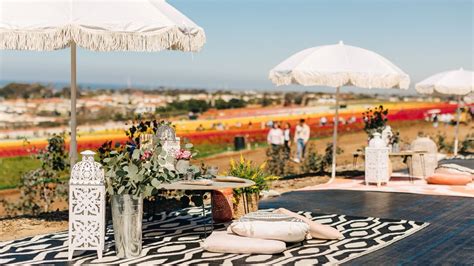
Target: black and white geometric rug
x,y
176,237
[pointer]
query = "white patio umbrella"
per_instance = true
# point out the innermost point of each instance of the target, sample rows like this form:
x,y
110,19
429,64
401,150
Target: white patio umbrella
x,y
336,66
97,25
457,83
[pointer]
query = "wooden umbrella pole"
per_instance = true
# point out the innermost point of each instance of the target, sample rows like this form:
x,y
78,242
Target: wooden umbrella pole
x,y
458,117
334,140
73,142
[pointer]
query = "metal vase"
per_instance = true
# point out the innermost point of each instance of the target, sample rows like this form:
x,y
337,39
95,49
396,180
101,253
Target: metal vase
x,y
127,214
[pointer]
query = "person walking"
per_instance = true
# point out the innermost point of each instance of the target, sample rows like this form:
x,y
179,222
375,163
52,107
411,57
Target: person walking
x,y
287,139
301,138
275,136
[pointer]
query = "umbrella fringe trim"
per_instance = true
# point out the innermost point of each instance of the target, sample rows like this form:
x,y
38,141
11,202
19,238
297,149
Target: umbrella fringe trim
x,y
361,80
174,38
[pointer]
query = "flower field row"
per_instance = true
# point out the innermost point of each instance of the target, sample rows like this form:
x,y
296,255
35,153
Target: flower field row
x,y
252,128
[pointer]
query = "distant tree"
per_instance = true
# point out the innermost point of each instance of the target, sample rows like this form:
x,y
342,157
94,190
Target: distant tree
x,y
266,101
237,103
196,106
25,91
221,104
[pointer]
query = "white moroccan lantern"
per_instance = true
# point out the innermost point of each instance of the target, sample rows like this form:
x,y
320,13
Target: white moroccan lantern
x,y
377,161
87,206
166,135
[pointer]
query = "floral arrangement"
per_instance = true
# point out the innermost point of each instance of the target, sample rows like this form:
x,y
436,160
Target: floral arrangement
x,y
129,170
183,154
137,169
186,153
375,120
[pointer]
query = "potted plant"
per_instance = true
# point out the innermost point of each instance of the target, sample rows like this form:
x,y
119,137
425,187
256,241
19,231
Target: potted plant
x,y
257,173
131,174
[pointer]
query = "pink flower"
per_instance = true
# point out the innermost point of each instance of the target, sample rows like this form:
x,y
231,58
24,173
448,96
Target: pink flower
x,y
146,155
183,154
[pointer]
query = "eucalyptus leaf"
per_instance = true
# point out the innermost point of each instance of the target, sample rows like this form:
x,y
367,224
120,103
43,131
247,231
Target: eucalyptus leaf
x,y
170,159
136,154
163,153
155,182
189,146
162,162
148,190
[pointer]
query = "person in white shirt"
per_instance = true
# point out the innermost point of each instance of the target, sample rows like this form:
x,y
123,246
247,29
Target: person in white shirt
x,y
287,136
275,136
301,138
323,121
287,139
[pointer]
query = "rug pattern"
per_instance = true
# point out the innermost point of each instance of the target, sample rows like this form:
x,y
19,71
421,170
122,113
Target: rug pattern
x,y
176,237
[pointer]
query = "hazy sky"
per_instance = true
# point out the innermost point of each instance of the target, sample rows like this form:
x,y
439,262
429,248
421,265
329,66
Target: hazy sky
x,y
246,38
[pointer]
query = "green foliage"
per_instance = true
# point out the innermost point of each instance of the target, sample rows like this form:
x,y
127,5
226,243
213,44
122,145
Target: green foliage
x,y
443,144
313,162
467,144
277,158
25,91
41,187
327,157
208,149
247,170
375,120
130,170
266,101
191,105
232,103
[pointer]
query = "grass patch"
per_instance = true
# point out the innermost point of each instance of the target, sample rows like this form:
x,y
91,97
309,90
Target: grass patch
x,y
206,150
12,168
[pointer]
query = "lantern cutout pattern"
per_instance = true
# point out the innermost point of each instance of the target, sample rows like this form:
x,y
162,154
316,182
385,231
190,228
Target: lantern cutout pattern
x,y
166,135
87,206
377,161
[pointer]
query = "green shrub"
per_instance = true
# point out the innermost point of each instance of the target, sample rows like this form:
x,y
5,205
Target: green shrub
x,y
41,187
467,144
327,157
313,162
277,158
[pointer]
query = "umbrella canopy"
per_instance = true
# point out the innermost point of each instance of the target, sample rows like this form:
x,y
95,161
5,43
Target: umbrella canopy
x,y
455,83
336,66
105,25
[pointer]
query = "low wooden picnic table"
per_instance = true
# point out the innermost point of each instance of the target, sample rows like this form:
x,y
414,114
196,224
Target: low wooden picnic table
x,y
202,189
407,156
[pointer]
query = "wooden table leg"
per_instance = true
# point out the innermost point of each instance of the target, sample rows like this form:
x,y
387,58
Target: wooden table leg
x,y
422,160
204,214
354,161
246,206
410,169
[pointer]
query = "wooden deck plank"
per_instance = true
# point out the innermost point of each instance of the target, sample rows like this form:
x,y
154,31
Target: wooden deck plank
x,y
448,240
